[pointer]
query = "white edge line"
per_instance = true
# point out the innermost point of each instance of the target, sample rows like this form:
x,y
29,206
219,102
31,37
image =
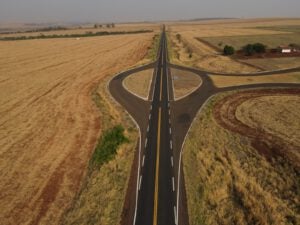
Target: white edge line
x,y
146,141
140,134
140,182
176,219
180,157
124,85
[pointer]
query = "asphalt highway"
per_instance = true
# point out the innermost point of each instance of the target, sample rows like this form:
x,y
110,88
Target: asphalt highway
x,y
156,192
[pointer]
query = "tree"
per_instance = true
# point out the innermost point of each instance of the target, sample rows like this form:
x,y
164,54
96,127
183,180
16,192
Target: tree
x,y
259,48
95,26
248,49
228,50
113,25
108,25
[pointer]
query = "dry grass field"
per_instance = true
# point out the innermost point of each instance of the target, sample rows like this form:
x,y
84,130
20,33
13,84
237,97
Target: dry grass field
x,y
274,63
226,81
192,52
241,159
85,29
139,83
50,123
184,83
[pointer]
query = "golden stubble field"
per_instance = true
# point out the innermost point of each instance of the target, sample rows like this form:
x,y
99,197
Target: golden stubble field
x,y
84,29
207,57
49,123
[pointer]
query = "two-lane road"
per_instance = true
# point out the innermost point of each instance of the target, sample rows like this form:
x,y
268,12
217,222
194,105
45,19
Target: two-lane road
x,y
156,198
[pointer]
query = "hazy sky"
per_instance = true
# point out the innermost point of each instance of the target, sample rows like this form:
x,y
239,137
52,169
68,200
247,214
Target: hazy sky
x,y
141,10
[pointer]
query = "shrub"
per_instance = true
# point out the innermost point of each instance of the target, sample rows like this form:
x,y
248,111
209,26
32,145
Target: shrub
x,y
259,48
228,50
108,145
248,49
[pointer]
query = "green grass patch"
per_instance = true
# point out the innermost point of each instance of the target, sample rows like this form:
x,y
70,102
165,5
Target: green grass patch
x,y
153,49
108,145
87,34
271,41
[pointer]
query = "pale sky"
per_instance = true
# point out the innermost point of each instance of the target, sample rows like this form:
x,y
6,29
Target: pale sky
x,y
141,10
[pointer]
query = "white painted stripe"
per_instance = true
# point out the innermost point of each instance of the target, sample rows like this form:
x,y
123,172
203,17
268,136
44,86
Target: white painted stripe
x,y
143,160
149,116
146,142
169,112
173,184
175,216
170,130
140,182
150,107
171,144
148,128
172,163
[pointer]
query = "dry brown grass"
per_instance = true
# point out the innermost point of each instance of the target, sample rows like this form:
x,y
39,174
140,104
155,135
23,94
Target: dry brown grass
x,y
225,81
184,83
208,58
228,182
275,63
277,115
49,122
83,30
139,83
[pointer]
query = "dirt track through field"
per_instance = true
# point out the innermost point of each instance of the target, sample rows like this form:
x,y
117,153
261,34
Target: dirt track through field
x,y
48,121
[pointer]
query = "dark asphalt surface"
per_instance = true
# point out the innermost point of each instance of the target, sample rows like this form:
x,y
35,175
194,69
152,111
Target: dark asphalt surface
x,y
160,180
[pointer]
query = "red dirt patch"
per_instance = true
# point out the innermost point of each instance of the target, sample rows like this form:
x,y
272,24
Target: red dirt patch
x,y
266,144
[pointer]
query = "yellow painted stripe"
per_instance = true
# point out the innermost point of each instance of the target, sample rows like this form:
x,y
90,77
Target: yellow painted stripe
x,y
157,170
160,91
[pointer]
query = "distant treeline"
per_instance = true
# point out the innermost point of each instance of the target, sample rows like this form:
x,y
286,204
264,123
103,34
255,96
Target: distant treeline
x,y
45,29
87,34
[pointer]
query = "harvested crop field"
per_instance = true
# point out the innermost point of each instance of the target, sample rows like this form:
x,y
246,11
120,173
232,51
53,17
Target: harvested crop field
x,y
49,122
83,30
241,159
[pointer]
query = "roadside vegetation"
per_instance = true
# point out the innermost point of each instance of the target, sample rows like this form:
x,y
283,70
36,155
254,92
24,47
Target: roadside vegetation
x,y
153,49
230,182
102,195
107,146
87,34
